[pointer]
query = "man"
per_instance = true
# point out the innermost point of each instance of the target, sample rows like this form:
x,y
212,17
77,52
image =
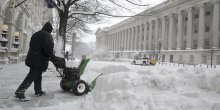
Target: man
x,y
40,52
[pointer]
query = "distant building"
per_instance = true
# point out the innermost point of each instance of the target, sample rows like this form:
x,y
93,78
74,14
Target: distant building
x,y
26,19
179,31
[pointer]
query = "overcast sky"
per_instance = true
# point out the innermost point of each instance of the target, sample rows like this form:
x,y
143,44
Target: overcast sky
x,y
111,21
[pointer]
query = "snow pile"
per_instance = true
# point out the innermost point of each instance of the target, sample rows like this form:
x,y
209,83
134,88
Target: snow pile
x,y
129,87
209,80
155,88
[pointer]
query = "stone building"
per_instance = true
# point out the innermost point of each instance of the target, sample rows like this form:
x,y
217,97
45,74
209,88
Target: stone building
x,y
23,20
179,31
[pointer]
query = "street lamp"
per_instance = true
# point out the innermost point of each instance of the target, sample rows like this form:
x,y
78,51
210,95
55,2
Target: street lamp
x,y
16,43
122,49
160,43
3,40
212,51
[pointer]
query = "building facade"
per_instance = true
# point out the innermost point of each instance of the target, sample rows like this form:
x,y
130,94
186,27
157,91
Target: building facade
x,y
24,19
179,31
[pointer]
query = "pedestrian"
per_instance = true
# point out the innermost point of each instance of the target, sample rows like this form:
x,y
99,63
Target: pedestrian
x,y
39,53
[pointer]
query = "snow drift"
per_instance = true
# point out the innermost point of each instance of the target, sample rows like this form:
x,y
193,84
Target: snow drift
x,y
128,87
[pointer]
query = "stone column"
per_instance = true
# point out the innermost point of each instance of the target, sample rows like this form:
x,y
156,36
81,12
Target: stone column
x,y
150,35
113,42
118,40
129,39
140,37
110,42
136,38
163,32
171,33
123,40
107,40
132,38
189,29
1,19
145,36
180,30
156,37
201,26
215,26
126,40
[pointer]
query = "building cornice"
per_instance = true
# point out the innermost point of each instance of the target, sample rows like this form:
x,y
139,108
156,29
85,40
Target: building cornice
x,y
163,9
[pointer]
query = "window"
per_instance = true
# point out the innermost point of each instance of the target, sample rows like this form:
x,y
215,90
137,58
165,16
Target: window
x,y
184,44
195,29
218,60
196,16
207,43
180,58
191,59
219,42
194,44
163,58
186,18
171,58
185,31
204,59
207,28
208,13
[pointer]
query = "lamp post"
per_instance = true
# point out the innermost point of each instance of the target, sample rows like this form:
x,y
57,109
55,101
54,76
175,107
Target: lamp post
x,y
3,40
212,51
16,43
122,49
160,43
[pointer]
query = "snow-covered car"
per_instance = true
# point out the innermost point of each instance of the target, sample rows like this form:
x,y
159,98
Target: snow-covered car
x,y
141,61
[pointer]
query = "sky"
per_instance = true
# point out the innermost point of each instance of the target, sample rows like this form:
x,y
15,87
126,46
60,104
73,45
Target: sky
x,y
112,20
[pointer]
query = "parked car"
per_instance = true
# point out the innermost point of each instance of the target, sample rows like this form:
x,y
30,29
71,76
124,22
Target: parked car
x,y
141,61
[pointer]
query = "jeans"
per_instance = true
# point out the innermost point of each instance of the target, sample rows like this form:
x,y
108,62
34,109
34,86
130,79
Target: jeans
x,y
35,76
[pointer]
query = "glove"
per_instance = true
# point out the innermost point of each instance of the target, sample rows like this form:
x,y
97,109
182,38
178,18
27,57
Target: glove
x,y
59,62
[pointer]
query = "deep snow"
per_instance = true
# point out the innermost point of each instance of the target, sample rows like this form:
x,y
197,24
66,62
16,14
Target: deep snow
x,y
122,87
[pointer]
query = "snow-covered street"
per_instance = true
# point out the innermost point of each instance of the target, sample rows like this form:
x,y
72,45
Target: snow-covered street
x,y
122,87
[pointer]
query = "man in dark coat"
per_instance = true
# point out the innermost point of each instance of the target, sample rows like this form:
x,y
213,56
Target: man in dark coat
x,y
40,52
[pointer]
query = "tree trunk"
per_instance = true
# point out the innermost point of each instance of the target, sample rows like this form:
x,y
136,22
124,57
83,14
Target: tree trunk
x,y
62,32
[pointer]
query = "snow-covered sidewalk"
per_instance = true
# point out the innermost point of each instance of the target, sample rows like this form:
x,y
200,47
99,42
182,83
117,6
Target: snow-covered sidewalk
x,y
122,87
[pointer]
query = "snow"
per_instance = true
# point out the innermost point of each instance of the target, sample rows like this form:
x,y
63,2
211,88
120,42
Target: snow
x,y
121,87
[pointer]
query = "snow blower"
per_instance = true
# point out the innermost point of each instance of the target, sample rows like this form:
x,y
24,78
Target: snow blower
x,y
71,77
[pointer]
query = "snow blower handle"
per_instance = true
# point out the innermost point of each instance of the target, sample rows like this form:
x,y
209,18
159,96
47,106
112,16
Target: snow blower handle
x,y
59,63
59,72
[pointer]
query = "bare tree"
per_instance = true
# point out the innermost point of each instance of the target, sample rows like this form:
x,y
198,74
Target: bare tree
x,y
76,14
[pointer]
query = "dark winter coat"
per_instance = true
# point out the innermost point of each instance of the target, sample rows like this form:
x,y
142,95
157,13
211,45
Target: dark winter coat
x,y
41,48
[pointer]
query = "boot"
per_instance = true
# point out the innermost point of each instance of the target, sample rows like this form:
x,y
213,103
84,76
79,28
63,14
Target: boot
x,y
40,93
20,95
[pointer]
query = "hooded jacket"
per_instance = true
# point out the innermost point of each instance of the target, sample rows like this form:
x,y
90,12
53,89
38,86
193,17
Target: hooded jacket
x,y
41,48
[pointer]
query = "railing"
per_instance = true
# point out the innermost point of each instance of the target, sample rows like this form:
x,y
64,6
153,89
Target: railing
x,y
160,63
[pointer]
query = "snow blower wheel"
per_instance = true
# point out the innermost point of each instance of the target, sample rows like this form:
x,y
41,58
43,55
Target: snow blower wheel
x,y
63,85
80,87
